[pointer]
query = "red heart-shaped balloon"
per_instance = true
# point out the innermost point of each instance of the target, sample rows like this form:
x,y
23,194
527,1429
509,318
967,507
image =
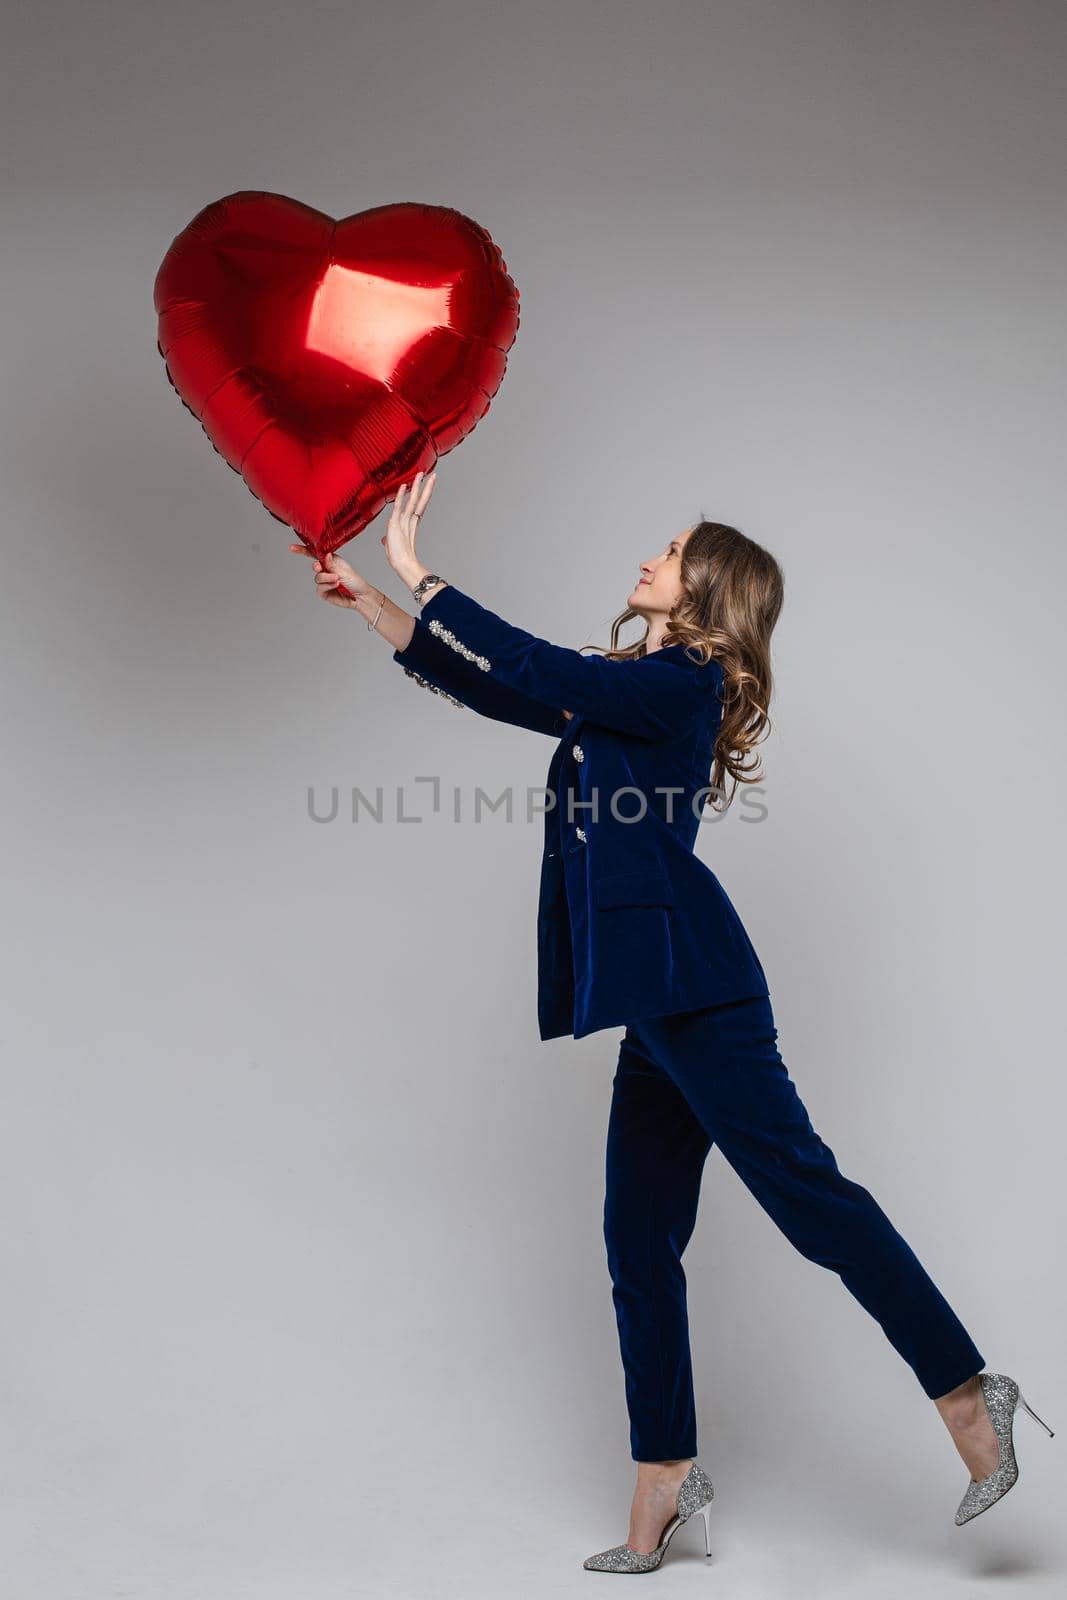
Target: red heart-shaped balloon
x,y
327,361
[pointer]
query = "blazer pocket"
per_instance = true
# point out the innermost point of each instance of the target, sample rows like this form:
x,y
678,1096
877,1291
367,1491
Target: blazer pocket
x,y
634,889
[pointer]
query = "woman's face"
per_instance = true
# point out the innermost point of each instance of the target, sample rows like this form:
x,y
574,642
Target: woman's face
x,y
660,586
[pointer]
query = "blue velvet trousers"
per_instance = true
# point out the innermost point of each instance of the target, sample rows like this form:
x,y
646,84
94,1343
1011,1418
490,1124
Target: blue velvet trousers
x,y
715,1076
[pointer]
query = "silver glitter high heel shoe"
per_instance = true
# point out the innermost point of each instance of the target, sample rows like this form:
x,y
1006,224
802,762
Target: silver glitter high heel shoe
x,y
1002,1396
693,1496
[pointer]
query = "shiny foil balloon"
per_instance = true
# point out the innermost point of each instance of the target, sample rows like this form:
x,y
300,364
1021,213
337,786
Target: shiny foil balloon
x,y
327,361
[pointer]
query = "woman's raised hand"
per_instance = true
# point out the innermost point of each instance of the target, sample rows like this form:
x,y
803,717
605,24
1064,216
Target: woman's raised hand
x,y
399,541
331,571
400,535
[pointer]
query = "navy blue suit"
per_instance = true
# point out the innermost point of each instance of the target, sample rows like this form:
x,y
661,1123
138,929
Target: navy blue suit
x,y
633,929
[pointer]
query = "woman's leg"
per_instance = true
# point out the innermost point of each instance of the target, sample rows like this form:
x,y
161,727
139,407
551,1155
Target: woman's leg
x,y
725,1062
656,1149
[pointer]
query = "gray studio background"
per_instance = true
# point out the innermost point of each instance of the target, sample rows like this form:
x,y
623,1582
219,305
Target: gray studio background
x,y
304,1284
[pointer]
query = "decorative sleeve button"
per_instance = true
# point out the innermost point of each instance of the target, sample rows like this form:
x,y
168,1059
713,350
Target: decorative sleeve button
x,y
457,644
426,684
580,833
578,753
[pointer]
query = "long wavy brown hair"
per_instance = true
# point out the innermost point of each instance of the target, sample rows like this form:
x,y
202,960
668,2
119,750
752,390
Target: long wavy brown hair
x,y
733,593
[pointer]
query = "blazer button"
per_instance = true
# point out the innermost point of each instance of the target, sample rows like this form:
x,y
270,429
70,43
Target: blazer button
x,y
577,752
580,832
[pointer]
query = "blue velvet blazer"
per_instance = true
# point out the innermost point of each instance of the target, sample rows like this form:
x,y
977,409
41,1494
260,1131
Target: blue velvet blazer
x,y
630,922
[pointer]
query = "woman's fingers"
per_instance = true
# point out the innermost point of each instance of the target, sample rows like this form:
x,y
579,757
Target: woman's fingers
x,y
427,491
409,491
302,550
410,501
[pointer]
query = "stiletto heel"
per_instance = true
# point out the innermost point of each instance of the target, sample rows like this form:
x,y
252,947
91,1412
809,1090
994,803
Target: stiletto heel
x,y
1035,1416
694,1495
1002,1398
705,1512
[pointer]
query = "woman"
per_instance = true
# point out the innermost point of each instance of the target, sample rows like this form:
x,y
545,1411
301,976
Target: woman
x,y
634,930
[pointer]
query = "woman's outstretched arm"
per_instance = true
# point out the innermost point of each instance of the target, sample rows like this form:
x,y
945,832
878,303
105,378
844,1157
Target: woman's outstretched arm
x,y
648,697
431,663
426,659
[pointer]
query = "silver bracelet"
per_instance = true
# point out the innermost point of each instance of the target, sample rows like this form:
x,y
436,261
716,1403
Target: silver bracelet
x,y
372,625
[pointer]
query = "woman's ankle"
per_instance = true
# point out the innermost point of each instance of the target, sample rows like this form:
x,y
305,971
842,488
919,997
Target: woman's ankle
x,y
962,1404
663,1469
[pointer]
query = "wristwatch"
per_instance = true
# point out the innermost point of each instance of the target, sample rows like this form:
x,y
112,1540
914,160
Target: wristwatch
x,y
425,583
